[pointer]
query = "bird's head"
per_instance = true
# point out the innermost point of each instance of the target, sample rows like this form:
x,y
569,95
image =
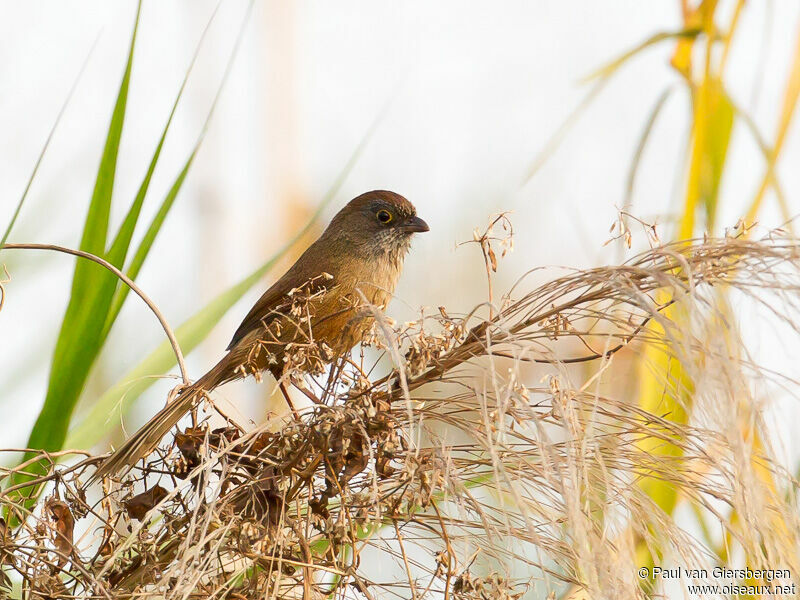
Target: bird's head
x,y
378,220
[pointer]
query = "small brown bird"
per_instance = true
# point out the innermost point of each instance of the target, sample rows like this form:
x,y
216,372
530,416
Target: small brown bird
x,y
322,302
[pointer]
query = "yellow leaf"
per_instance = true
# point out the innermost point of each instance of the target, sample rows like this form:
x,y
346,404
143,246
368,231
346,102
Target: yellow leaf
x,y
685,36
665,390
711,134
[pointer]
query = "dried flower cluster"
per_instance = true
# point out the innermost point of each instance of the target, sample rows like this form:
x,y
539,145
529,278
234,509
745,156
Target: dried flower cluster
x,y
461,472
302,353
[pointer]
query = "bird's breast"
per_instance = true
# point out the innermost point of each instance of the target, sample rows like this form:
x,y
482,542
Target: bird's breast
x,y
348,308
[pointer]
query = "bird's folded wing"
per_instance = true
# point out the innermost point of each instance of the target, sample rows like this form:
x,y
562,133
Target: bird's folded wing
x,y
277,301
269,306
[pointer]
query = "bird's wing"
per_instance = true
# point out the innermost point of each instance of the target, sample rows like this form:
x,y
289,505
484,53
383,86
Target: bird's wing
x,y
270,305
312,272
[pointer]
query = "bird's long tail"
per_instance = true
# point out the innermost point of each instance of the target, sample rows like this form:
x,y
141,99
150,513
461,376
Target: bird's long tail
x,y
146,439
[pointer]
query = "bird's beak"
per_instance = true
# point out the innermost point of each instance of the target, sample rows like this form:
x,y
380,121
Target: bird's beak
x,y
415,225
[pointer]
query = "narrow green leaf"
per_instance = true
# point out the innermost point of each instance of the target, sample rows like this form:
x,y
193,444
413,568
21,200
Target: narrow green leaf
x,y
119,248
155,225
96,225
79,339
146,244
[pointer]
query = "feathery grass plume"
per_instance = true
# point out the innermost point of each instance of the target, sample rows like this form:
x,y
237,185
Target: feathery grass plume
x,y
458,474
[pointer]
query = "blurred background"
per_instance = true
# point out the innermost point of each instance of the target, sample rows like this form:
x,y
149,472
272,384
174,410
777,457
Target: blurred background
x,y
476,109
467,100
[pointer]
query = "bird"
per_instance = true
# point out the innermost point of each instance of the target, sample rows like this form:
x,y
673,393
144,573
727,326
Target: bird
x,y
317,311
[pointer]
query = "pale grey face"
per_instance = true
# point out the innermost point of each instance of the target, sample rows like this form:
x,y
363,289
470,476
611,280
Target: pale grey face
x,y
393,240
391,225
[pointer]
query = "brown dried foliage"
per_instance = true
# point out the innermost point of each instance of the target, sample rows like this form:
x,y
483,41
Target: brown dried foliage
x,y
483,483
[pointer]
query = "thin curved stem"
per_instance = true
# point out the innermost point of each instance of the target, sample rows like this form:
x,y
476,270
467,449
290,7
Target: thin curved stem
x,y
127,281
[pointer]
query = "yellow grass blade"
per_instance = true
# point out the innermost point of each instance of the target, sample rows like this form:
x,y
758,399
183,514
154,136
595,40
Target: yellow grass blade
x,y
665,389
711,134
729,36
686,35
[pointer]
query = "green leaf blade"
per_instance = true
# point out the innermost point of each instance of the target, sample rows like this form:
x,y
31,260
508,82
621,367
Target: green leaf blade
x,y
145,245
79,338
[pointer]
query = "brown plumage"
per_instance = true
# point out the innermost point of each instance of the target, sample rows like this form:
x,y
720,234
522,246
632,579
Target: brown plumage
x,y
320,303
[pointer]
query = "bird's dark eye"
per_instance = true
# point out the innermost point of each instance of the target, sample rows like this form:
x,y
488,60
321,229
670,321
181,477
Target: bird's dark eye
x,y
384,216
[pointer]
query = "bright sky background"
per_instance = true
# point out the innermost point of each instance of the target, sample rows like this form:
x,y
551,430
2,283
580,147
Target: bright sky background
x,y
476,91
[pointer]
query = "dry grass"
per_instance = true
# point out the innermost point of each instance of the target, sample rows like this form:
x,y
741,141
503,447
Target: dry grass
x,y
455,476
